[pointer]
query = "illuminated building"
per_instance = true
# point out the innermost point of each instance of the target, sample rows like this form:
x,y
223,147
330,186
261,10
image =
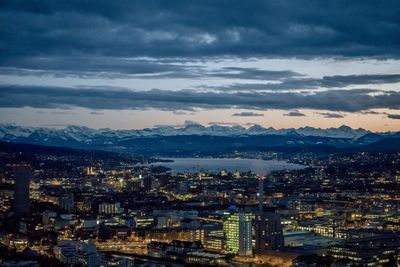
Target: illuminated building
x,y
143,221
147,181
200,257
133,185
83,200
30,226
392,225
22,177
160,249
268,226
238,233
76,253
89,171
114,230
373,251
269,233
312,260
236,174
168,234
110,208
214,241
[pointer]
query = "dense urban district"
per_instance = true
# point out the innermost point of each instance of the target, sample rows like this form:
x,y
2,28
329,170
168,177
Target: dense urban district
x,y
70,207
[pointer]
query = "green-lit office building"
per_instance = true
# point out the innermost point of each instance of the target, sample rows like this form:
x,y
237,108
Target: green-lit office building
x,y
238,233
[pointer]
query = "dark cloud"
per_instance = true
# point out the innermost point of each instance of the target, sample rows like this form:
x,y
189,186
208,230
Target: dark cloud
x,y
159,29
331,115
109,67
345,80
394,116
294,113
337,81
224,123
371,112
247,114
105,67
120,98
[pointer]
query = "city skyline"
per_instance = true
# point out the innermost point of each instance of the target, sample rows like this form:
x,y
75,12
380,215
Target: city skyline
x,y
199,133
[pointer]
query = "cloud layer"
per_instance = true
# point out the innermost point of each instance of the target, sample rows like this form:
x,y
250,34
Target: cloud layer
x,y
394,116
68,53
295,113
335,81
202,28
120,98
247,114
331,115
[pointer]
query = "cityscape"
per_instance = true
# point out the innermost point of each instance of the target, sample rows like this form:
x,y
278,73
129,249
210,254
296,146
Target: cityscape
x,y
97,208
209,133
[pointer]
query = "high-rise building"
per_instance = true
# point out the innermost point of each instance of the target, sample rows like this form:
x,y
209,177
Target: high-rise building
x,y
66,202
147,181
156,185
268,226
183,187
269,233
22,177
238,233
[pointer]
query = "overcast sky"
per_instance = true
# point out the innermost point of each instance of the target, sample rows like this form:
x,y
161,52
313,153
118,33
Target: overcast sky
x,y
136,64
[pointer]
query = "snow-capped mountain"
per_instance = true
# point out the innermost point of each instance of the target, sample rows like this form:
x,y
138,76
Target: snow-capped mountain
x,y
189,136
85,134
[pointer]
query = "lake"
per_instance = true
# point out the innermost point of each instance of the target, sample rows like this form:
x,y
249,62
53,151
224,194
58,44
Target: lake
x,y
258,166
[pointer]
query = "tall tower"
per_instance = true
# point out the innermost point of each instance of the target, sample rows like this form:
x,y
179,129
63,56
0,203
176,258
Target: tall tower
x,y
147,182
269,232
22,177
268,227
260,193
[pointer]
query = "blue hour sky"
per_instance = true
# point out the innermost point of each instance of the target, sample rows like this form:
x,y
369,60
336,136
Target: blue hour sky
x,y
136,64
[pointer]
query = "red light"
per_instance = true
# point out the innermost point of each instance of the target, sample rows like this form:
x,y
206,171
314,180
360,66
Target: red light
x,y
260,177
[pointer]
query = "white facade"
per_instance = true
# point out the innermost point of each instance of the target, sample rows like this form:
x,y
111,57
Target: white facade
x,y
73,252
110,208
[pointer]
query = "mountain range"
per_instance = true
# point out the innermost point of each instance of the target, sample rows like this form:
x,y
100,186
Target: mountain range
x,y
193,136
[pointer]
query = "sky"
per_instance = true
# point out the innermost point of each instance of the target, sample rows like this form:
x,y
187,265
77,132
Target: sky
x,y
137,64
